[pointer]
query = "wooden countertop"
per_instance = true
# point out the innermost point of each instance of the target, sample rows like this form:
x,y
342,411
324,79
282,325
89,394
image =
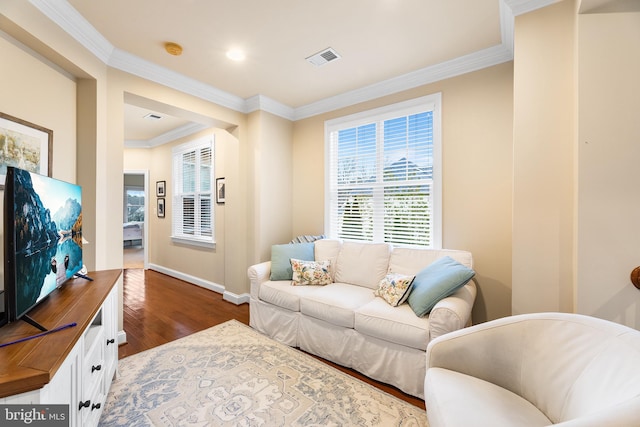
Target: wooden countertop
x,y
30,365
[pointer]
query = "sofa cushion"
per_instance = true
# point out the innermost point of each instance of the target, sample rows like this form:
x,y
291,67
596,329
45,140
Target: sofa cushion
x,y
328,249
281,294
310,272
438,280
485,404
282,254
410,261
394,288
398,325
362,264
335,303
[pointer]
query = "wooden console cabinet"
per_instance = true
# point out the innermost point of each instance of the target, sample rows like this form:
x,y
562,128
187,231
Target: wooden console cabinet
x,y
73,366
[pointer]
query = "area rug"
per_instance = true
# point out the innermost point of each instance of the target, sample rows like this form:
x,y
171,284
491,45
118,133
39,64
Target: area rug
x,y
231,375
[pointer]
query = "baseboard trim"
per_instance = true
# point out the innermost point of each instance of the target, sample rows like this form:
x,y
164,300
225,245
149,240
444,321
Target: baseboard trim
x,y
212,286
122,337
235,298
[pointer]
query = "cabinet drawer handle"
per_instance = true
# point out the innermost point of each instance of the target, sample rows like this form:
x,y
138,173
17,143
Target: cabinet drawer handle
x,y
96,368
111,341
84,404
95,406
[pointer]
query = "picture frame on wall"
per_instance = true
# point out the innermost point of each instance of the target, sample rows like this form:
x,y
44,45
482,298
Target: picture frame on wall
x,y
161,207
161,188
220,190
24,145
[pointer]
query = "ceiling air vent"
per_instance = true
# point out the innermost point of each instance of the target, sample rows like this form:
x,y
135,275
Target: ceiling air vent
x,y
152,116
323,57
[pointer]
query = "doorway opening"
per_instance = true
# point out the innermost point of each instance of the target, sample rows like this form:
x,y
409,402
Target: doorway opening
x,y
135,219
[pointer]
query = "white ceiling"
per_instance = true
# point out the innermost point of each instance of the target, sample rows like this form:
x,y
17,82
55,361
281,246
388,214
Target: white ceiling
x,y
377,39
385,46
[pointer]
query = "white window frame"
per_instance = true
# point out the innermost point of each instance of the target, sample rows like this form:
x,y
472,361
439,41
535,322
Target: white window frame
x,y
176,223
418,105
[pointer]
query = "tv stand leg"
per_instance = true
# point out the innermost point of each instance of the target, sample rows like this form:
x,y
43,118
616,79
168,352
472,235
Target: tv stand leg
x,y
34,323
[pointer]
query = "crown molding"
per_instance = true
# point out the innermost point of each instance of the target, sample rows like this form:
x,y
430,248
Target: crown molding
x,y
264,103
135,65
455,67
64,15
74,24
519,7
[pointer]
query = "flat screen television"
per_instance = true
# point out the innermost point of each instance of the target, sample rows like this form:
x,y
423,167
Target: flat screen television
x,y
42,239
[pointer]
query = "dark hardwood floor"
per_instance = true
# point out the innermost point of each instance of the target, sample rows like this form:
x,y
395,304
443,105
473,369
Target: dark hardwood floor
x,y
159,308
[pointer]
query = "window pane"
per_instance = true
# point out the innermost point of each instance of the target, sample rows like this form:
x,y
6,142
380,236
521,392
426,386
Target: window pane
x,y
205,169
408,147
205,216
188,215
407,218
355,214
357,154
135,205
189,172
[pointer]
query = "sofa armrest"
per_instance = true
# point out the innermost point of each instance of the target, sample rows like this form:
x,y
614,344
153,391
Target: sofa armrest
x,y
258,273
453,312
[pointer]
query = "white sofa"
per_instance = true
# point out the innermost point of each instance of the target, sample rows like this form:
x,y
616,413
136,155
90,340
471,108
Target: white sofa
x,y
346,323
535,370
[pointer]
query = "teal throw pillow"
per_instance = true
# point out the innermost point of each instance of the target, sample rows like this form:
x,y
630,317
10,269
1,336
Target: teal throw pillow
x,y
436,281
282,254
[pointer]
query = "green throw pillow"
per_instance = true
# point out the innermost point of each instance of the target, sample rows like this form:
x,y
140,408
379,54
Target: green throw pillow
x,y
282,254
436,281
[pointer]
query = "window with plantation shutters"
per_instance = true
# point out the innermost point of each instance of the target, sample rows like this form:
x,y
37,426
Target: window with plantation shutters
x,y
192,207
384,175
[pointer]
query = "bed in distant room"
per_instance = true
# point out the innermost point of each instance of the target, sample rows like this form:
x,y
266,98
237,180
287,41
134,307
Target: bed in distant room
x,y
133,233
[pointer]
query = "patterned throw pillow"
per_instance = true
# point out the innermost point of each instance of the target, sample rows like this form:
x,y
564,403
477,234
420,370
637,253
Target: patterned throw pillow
x,y
310,272
394,288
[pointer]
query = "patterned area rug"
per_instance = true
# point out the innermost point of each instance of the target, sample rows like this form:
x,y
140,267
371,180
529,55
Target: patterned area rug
x,y
230,375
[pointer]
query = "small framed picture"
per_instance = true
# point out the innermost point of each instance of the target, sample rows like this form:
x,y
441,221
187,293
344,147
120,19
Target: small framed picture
x,y
220,189
161,207
160,188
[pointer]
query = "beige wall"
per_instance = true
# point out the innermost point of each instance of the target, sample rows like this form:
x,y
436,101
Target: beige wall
x,y
273,181
477,174
609,149
37,93
544,153
33,91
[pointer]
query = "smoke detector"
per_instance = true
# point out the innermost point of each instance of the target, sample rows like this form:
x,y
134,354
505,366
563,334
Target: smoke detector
x,y
173,48
323,57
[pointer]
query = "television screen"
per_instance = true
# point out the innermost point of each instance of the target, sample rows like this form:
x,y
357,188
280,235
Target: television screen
x,y
43,237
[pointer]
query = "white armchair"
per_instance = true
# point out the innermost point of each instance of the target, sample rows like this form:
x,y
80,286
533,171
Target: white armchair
x,y
535,370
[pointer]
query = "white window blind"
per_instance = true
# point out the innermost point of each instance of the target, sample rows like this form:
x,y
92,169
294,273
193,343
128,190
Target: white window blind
x,y
383,175
192,208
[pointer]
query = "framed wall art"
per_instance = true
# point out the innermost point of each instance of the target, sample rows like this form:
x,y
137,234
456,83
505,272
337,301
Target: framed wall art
x,y
24,145
220,190
161,207
160,188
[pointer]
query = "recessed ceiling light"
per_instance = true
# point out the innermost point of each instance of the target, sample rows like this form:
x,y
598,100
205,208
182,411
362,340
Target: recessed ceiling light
x,y
236,55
